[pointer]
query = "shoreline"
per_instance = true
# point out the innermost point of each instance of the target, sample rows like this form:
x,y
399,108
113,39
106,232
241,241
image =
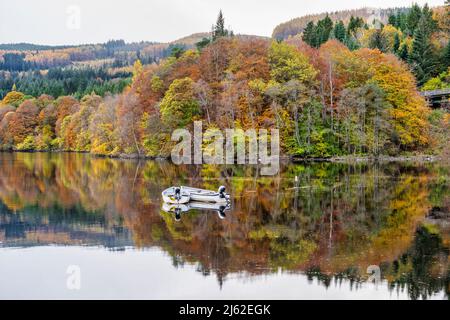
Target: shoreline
x,y
423,158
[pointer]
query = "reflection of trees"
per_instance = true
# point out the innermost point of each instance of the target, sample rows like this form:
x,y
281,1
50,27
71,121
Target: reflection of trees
x,y
330,220
422,269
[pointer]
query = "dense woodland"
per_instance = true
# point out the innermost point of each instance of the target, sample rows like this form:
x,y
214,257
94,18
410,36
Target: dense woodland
x,y
77,71
339,88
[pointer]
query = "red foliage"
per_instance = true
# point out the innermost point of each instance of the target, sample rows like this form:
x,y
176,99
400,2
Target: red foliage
x,y
23,121
65,106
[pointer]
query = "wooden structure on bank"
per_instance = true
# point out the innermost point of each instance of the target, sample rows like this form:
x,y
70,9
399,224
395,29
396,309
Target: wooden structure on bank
x,y
438,98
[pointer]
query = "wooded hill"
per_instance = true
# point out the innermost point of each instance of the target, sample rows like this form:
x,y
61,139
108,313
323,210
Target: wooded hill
x,y
326,95
296,26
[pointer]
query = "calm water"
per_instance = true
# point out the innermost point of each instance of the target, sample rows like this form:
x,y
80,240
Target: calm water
x,y
309,233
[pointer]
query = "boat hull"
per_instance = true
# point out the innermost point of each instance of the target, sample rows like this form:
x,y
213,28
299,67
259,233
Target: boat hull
x,y
168,196
202,195
188,194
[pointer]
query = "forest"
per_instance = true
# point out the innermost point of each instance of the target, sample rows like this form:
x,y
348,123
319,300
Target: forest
x,y
340,87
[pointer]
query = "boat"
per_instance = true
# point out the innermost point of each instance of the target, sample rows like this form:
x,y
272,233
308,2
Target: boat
x,y
182,195
175,195
178,209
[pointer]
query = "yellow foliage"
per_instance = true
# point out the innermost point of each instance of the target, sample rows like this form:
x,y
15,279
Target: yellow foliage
x,y
13,98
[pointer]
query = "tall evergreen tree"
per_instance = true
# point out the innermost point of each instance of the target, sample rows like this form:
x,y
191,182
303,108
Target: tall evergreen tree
x,y
422,57
324,28
309,34
413,17
401,21
392,20
219,28
446,56
403,52
202,43
378,41
339,31
396,45
354,24
427,15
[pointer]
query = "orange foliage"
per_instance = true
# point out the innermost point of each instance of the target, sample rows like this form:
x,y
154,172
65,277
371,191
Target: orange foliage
x,y
23,121
410,111
65,106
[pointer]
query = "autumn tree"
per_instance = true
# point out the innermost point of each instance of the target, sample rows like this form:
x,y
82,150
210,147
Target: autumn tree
x,y
287,63
409,110
129,113
24,121
104,140
46,128
65,106
6,109
291,77
179,105
13,98
75,132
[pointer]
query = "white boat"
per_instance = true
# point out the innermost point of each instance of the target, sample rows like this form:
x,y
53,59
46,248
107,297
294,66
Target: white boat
x,y
182,195
175,195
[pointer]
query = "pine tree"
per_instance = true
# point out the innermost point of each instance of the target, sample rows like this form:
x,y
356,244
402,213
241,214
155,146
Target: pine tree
x,y
202,44
339,31
379,41
177,51
354,25
403,52
427,15
309,34
392,20
446,56
324,28
413,17
219,28
422,56
401,21
396,45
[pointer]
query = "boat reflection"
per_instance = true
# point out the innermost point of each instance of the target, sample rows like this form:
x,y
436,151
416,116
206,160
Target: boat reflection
x,y
178,209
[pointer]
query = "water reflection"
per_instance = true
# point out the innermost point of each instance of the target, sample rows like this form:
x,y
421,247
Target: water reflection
x,y
327,221
178,209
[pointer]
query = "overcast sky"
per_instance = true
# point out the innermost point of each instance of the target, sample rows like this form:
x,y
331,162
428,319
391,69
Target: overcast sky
x,y
57,21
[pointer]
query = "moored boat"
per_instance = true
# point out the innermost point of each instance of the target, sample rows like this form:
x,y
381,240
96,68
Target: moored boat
x,y
181,195
175,195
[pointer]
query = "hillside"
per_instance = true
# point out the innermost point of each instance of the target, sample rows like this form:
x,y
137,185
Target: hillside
x,y
297,25
81,69
344,90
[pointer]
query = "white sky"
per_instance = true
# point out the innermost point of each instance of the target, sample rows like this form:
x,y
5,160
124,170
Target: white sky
x,y
45,21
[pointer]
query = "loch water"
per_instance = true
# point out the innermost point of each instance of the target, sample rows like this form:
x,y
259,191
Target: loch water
x,y
76,226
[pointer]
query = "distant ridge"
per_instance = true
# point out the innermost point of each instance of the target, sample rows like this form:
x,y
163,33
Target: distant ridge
x,y
189,41
296,25
23,46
